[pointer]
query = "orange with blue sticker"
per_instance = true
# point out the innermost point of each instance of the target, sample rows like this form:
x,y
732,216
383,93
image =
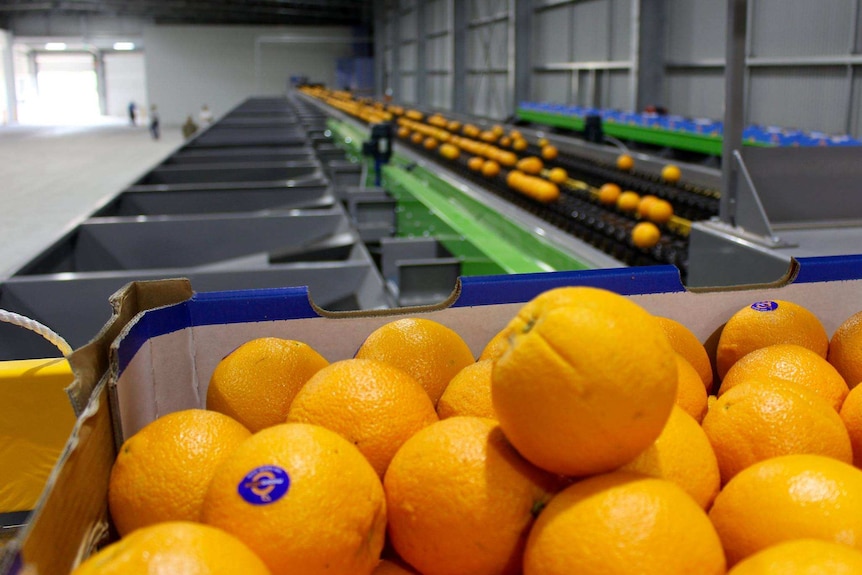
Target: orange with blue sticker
x,y
765,305
264,485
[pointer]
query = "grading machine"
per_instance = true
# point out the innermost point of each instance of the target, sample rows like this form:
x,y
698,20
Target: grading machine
x,y
786,202
373,205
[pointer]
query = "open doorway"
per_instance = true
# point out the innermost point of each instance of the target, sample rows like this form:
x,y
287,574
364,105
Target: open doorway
x,y
63,90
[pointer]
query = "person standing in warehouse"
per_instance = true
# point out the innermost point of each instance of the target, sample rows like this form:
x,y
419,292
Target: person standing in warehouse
x,y
132,113
189,128
154,122
205,116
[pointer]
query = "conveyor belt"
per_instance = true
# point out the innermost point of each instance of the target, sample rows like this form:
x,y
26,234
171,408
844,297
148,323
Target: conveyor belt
x,y
604,229
577,211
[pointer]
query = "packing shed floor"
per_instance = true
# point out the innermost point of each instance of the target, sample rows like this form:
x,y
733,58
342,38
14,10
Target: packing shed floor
x,y
53,177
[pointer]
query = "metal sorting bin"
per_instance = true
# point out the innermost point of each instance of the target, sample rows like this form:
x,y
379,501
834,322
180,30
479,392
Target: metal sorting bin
x,y
246,204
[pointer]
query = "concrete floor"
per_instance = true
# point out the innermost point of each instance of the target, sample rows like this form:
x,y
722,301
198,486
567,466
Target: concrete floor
x,y
53,177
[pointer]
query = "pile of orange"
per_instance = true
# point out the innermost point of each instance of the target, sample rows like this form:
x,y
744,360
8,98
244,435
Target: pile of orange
x,y
588,436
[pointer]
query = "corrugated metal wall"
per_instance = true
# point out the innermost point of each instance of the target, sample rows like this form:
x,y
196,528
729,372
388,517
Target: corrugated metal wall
x,y
582,52
408,50
487,56
804,57
438,54
803,62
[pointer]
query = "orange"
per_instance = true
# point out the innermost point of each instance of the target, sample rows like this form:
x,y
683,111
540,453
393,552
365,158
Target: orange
x,y
430,143
625,162
541,142
758,420
461,500
766,323
429,351
519,144
449,151
488,136
609,193
558,175
469,393
507,159
531,165
851,415
475,163
532,186
710,402
390,567
622,523
471,131
845,350
682,454
303,498
685,343
789,497
789,363
490,169
660,211
690,394
550,152
628,201
645,234
372,404
257,381
584,387
162,472
671,173
495,347
645,204
175,547
802,557
417,138
530,312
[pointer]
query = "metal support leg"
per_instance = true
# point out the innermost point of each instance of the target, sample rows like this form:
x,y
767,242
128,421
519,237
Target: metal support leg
x,y
734,105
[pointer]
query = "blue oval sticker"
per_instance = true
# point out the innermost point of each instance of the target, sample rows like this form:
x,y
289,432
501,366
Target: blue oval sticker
x,y
264,485
766,305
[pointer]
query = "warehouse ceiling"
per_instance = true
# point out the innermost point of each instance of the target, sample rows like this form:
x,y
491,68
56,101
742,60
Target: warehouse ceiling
x,y
202,12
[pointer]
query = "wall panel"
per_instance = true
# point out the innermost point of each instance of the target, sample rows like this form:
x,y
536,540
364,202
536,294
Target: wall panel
x,y
438,53
621,29
551,87
436,16
696,29
788,28
440,92
591,30
806,98
408,89
552,35
407,57
619,86
487,46
695,93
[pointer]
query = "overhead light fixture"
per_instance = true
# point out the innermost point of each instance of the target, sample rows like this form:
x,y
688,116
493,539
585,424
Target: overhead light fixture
x,y
55,46
124,45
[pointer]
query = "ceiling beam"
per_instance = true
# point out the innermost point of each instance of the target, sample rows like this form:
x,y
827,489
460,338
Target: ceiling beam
x,y
207,11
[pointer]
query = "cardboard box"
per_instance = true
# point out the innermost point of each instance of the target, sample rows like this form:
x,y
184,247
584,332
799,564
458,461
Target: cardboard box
x,y
143,365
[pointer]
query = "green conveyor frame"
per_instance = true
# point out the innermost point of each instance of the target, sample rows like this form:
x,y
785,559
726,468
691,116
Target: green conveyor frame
x,y
708,145
484,240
